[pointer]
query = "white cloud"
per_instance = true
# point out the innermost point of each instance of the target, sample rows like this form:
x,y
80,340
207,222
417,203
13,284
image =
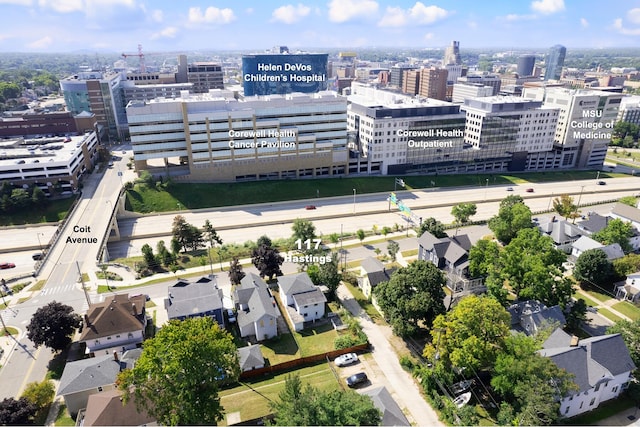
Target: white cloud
x,y
42,43
429,36
63,6
547,7
166,33
211,15
346,10
514,17
634,15
17,2
419,14
289,14
617,24
157,15
584,23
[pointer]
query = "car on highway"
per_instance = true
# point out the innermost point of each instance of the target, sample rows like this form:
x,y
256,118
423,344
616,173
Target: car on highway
x,y
6,265
602,183
529,190
37,256
310,207
357,379
509,188
346,359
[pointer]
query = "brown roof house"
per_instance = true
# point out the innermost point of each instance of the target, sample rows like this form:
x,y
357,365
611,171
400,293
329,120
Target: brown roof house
x,y
116,324
108,409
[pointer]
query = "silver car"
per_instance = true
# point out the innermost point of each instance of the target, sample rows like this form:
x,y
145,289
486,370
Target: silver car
x,y
346,359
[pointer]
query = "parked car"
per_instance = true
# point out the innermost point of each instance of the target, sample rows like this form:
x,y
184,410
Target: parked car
x,y
6,265
37,256
357,379
509,188
602,183
346,359
529,190
231,316
310,207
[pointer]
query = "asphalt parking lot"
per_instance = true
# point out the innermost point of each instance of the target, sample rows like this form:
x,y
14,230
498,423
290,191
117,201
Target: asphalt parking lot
x,y
366,364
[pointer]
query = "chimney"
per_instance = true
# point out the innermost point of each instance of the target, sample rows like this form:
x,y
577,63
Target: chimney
x,y
574,341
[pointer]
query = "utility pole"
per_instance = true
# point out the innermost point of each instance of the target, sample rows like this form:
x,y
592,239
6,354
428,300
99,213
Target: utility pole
x,y
84,289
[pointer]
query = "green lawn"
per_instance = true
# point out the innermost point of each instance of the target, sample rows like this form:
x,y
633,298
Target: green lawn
x,y
590,302
54,211
63,418
628,309
366,305
598,296
252,400
178,196
609,315
280,349
316,340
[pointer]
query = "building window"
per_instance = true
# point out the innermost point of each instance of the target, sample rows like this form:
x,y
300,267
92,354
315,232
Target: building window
x,y
598,387
614,390
593,400
581,403
566,410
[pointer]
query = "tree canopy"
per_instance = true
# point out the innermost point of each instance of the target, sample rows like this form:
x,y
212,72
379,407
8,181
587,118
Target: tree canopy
x,y
463,211
187,235
299,405
593,267
512,217
17,412
565,207
412,298
236,274
433,226
616,231
470,335
267,259
177,377
630,332
303,229
53,325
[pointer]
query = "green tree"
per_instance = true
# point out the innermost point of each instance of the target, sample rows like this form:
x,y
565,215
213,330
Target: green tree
x,y
577,315
38,198
616,231
360,234
471,335
412,298
629,201
565,207
304,230
41,395
463,211
385,230
392,248
178,375
17,412
628,264
512,217
307,406
235,271
329,274
630,332
211,234
593,267
180,231
148,256
433,226
482,257
53,325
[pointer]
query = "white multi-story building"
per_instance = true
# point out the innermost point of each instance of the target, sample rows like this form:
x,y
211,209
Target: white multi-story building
x,y
629,110
215,137
462,91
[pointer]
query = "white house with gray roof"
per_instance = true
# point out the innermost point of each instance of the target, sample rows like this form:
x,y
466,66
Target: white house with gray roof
x,y
257,309
202,298
629,214
601,367
584,243
305,301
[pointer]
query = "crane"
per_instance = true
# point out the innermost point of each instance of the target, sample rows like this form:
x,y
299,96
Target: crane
x,y
143,68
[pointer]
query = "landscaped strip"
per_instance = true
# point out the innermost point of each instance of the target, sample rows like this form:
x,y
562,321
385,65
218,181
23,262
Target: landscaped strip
x,y
628,309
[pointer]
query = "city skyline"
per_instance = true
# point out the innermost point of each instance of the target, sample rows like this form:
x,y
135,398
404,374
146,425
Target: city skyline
x,y
120,25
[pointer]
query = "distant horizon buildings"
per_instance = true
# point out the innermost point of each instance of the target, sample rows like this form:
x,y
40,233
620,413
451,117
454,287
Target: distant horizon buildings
x,y
452,54
554,62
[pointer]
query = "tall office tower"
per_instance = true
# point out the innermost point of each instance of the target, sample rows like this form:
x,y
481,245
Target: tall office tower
x,y
205,76
397,74
101,94
452,54
181,75
454,72
525,65
629,110
411,82
554,62
584,124
433,83
214,137
270,74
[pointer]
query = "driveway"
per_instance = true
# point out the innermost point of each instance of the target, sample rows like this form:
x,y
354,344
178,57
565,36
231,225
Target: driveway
x,y
399,382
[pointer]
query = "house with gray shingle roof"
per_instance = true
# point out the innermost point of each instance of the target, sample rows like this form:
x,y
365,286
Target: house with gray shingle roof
x,y
257,309
601,367
85,377
305,302
250,358
451,255
584,243
532,316
392,415
372,273
202,298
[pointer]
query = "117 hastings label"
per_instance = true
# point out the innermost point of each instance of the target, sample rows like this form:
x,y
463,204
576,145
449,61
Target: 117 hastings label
x,y
81,239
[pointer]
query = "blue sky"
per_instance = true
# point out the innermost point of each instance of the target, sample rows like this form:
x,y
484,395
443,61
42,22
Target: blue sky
x,y
187,25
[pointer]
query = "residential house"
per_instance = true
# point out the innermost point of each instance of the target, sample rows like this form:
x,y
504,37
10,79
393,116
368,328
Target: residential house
x,y
601,367
593,223
195,299
584,243
630,290
116,324
629,214
82,378
250,358
451,255
304,301
532,316
257,309
392,415
372,273
108,409
562,232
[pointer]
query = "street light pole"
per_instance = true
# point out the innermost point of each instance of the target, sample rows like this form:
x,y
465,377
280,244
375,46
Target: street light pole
x,y
39,242
354,201
486,188
578,204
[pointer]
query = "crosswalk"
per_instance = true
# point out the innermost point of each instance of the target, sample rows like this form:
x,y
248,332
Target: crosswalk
x,y
58,289
8,314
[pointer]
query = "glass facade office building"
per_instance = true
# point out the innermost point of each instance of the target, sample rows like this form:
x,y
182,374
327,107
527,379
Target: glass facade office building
x,y
271,74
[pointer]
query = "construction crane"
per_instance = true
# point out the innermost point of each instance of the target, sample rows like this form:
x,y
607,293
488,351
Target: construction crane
x,y
140,55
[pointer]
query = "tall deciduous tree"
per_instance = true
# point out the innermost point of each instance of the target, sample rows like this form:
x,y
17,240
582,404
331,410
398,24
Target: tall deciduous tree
x,y
307,406
593,267
235,271
412,298
564,206
53,325
267,259
393,248
433,226
512,217
17,412
616,231
463,211
303,229
178,375
329,274
470,335
482,257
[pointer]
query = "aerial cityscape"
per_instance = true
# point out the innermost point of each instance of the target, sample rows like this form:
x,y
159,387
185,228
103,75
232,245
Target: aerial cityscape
x,y
350,212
